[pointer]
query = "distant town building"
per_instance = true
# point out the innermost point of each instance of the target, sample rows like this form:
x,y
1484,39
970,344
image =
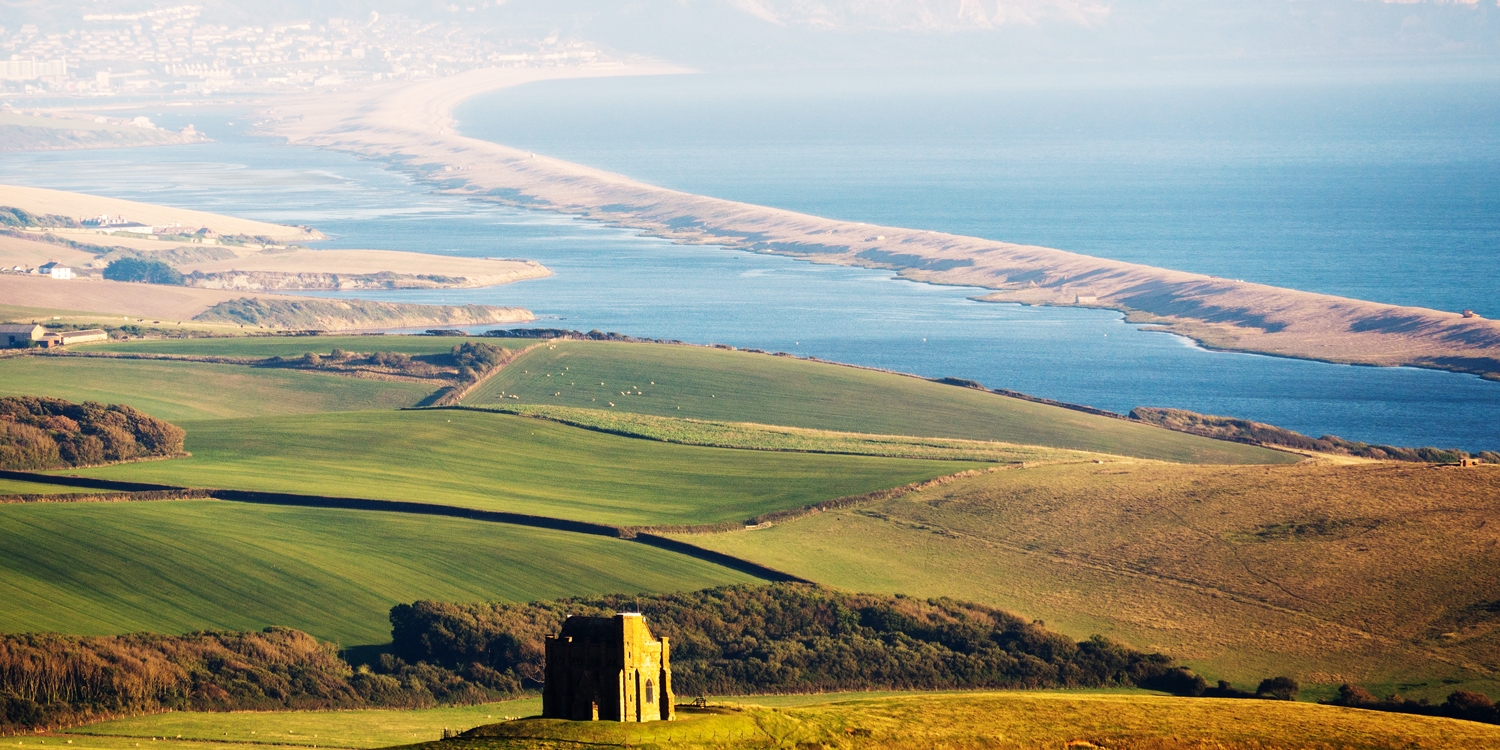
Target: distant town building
x,y
607,668
30,70
55,270
20,334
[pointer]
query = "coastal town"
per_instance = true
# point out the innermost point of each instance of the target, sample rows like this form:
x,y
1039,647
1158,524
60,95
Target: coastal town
x,y
176,50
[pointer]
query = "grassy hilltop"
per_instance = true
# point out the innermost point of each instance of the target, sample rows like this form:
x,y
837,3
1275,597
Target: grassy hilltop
x,y
715,384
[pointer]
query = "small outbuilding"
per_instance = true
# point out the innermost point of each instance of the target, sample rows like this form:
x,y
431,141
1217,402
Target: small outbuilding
x,y
20,334
608,668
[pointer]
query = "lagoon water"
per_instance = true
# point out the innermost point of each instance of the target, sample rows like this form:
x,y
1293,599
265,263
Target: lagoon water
x,y
609,279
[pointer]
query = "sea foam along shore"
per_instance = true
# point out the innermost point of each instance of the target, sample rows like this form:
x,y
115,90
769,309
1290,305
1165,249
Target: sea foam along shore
x,y
412,124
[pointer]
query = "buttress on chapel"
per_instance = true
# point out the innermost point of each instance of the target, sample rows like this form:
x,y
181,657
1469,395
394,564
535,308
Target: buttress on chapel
x,y
607,668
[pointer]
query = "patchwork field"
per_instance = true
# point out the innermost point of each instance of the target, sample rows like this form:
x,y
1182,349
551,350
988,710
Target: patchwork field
x,y
1383,574
177,391
179,566
1004,720
504,462
715,384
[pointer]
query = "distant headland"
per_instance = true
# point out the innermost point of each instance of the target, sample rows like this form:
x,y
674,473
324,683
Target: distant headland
x,y
412,124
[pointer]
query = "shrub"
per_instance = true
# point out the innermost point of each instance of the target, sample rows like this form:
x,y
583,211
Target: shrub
x,y
138,269
37,432
1280,688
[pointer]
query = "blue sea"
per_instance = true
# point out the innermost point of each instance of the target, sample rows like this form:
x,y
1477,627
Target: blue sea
x,y
1399,209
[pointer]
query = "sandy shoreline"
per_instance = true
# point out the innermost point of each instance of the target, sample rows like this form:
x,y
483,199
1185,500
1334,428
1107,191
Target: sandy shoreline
x,y
412,124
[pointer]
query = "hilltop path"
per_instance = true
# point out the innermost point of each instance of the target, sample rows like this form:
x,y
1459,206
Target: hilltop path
x,y
412,124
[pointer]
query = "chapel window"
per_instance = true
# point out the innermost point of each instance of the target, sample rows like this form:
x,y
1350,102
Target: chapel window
x,y
650,692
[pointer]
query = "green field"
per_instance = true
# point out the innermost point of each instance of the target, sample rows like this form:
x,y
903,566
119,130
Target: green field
x,y
714,384
351,729
19,487
177,391
179,566
504,462
1004,720
283,346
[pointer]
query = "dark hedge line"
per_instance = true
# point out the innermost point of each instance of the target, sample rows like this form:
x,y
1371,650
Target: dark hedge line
x,y
37,432
1461,704
788,638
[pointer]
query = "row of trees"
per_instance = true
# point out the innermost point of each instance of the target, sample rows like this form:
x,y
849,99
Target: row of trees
x,y
37,432
49,680
1246,431
788,638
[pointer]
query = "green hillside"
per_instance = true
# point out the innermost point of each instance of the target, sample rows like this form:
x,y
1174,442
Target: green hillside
x,y
504,462
179,566
1241,572
702,383
191,390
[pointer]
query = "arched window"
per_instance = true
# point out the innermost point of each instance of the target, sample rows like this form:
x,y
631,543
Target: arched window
x,y
650,692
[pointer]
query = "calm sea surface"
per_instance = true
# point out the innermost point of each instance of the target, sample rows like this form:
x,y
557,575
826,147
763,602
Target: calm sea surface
x,y
611,280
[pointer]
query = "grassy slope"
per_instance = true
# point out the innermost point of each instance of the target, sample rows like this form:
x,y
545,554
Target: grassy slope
x,y
1009,720
18,487
1002,720
737,386
186,565
352,729
188,390
1330,573
274,346
503,462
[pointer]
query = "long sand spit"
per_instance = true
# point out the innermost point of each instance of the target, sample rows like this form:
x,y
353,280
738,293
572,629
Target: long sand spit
x,y
412,124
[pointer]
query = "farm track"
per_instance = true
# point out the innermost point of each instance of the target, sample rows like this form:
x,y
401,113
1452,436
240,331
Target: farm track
x,y
413,508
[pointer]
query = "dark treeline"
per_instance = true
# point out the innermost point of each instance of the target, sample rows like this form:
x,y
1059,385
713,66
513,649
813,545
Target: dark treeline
x,y
49,680
37,432
788,638
1246,431
1461,704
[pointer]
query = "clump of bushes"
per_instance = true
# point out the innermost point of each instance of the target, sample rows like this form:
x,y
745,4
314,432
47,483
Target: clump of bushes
x,y
787,638
1461,704
474,359
143,270
37,432
1246,431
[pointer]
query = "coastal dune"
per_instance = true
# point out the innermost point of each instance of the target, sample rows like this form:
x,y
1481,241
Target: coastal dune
x,y
412,124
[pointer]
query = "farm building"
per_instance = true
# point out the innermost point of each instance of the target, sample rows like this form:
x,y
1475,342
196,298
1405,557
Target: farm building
x,y
22,334
608,668
55,270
